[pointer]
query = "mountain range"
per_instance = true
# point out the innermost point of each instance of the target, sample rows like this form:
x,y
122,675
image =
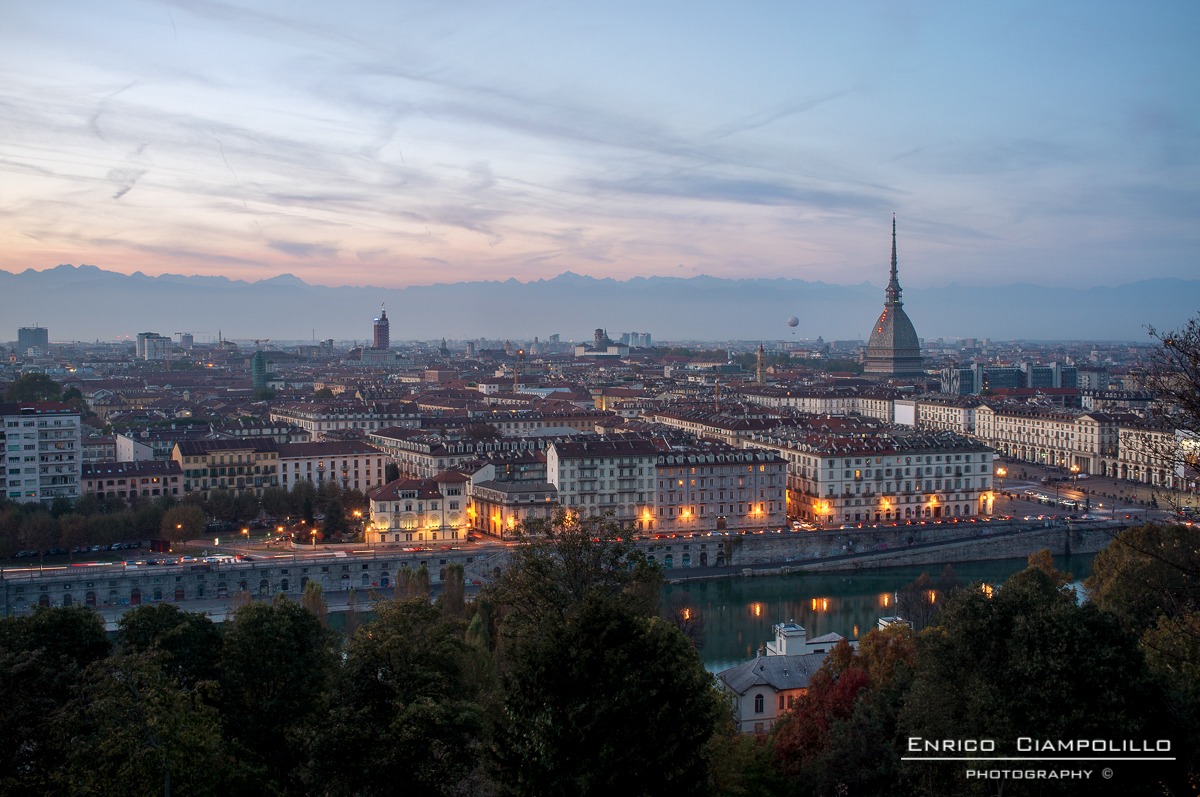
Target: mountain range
x,y
87,302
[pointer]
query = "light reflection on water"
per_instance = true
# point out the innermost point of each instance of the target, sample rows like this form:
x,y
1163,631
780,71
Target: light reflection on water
x,y
738,612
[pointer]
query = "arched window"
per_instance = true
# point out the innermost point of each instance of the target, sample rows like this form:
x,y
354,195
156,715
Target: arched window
x,y
758,704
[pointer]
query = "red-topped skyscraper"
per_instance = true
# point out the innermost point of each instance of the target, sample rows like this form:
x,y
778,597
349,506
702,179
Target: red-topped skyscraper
x,y
382,330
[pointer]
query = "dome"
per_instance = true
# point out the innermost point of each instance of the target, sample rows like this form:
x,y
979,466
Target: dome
x,y
893,348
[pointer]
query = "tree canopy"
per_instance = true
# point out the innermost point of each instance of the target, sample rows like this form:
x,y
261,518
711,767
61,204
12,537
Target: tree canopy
x,y
33,387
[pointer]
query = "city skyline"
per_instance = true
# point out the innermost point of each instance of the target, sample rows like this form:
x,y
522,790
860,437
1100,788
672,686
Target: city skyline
x,y
86,303
405,146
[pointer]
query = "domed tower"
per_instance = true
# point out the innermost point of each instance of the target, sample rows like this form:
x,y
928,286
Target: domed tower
x,y
893,349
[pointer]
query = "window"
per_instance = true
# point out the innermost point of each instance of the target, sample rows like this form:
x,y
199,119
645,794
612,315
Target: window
x,y
758,704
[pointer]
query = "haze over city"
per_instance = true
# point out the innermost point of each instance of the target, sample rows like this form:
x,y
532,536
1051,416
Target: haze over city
x,y
413,144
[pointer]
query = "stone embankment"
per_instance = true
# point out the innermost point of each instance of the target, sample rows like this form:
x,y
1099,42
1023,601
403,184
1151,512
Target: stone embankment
x,y
213,588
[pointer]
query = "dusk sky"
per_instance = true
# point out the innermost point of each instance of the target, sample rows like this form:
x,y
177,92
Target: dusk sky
x,y
409,143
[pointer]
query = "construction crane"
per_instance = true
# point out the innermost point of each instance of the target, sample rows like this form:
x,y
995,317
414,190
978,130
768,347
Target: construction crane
x,y
258,342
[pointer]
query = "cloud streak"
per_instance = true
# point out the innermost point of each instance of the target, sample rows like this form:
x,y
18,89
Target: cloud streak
x,y
459,142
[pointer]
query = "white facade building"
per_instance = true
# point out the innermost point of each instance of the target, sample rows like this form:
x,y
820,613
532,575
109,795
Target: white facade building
x,y
42,452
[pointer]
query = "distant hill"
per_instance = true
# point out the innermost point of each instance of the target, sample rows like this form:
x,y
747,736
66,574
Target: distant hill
x,y
86,302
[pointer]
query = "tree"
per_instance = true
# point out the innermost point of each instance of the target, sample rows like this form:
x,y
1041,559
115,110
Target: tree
x,y
182,522
391,472
186,644
841,734
405,717
917,601
608,701
43,657
73,397
276,664
335,518
1174,374
136,726
246,506
452,601
73,530
412,583
275,501
1029,662
314,601
222,505
1148,578
33,387
562,562
39,532
599,695
1145,573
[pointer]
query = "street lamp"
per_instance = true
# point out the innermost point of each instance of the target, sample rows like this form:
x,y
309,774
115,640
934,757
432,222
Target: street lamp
x,y
313,534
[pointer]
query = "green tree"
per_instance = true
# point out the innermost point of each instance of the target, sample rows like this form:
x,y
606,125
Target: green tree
x,y
33,387
404,716
182,522
1149,579
1029,662
452,601
276,665
412,584
73,530
391,472
562,562
599,695
246,506
609,701
335,518
136,730
275,501
222,505
39,531
1145,573
314,601
60,506
43,657
186,643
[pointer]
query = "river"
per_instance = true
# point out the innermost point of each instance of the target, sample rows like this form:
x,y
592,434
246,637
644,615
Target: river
x,y
738,612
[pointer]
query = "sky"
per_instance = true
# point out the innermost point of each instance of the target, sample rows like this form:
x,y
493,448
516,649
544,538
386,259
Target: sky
x,y
411,143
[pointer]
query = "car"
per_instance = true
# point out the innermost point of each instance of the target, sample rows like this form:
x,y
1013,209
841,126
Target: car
x,y
184,560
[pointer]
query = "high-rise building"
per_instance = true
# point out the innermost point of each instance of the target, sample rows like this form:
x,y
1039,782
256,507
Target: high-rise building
x,y
153,346
893,349
42,445
258,370
382,331
32,338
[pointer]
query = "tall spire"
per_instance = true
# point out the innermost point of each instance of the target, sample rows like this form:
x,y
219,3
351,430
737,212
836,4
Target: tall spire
x,y
893,289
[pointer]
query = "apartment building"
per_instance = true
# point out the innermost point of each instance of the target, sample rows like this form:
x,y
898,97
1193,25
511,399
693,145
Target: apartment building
x,y
351,464
42,452
879,476
237,465
596,477
718,488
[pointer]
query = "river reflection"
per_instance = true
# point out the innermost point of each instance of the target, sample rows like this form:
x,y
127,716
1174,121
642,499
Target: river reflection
x,y
738,612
